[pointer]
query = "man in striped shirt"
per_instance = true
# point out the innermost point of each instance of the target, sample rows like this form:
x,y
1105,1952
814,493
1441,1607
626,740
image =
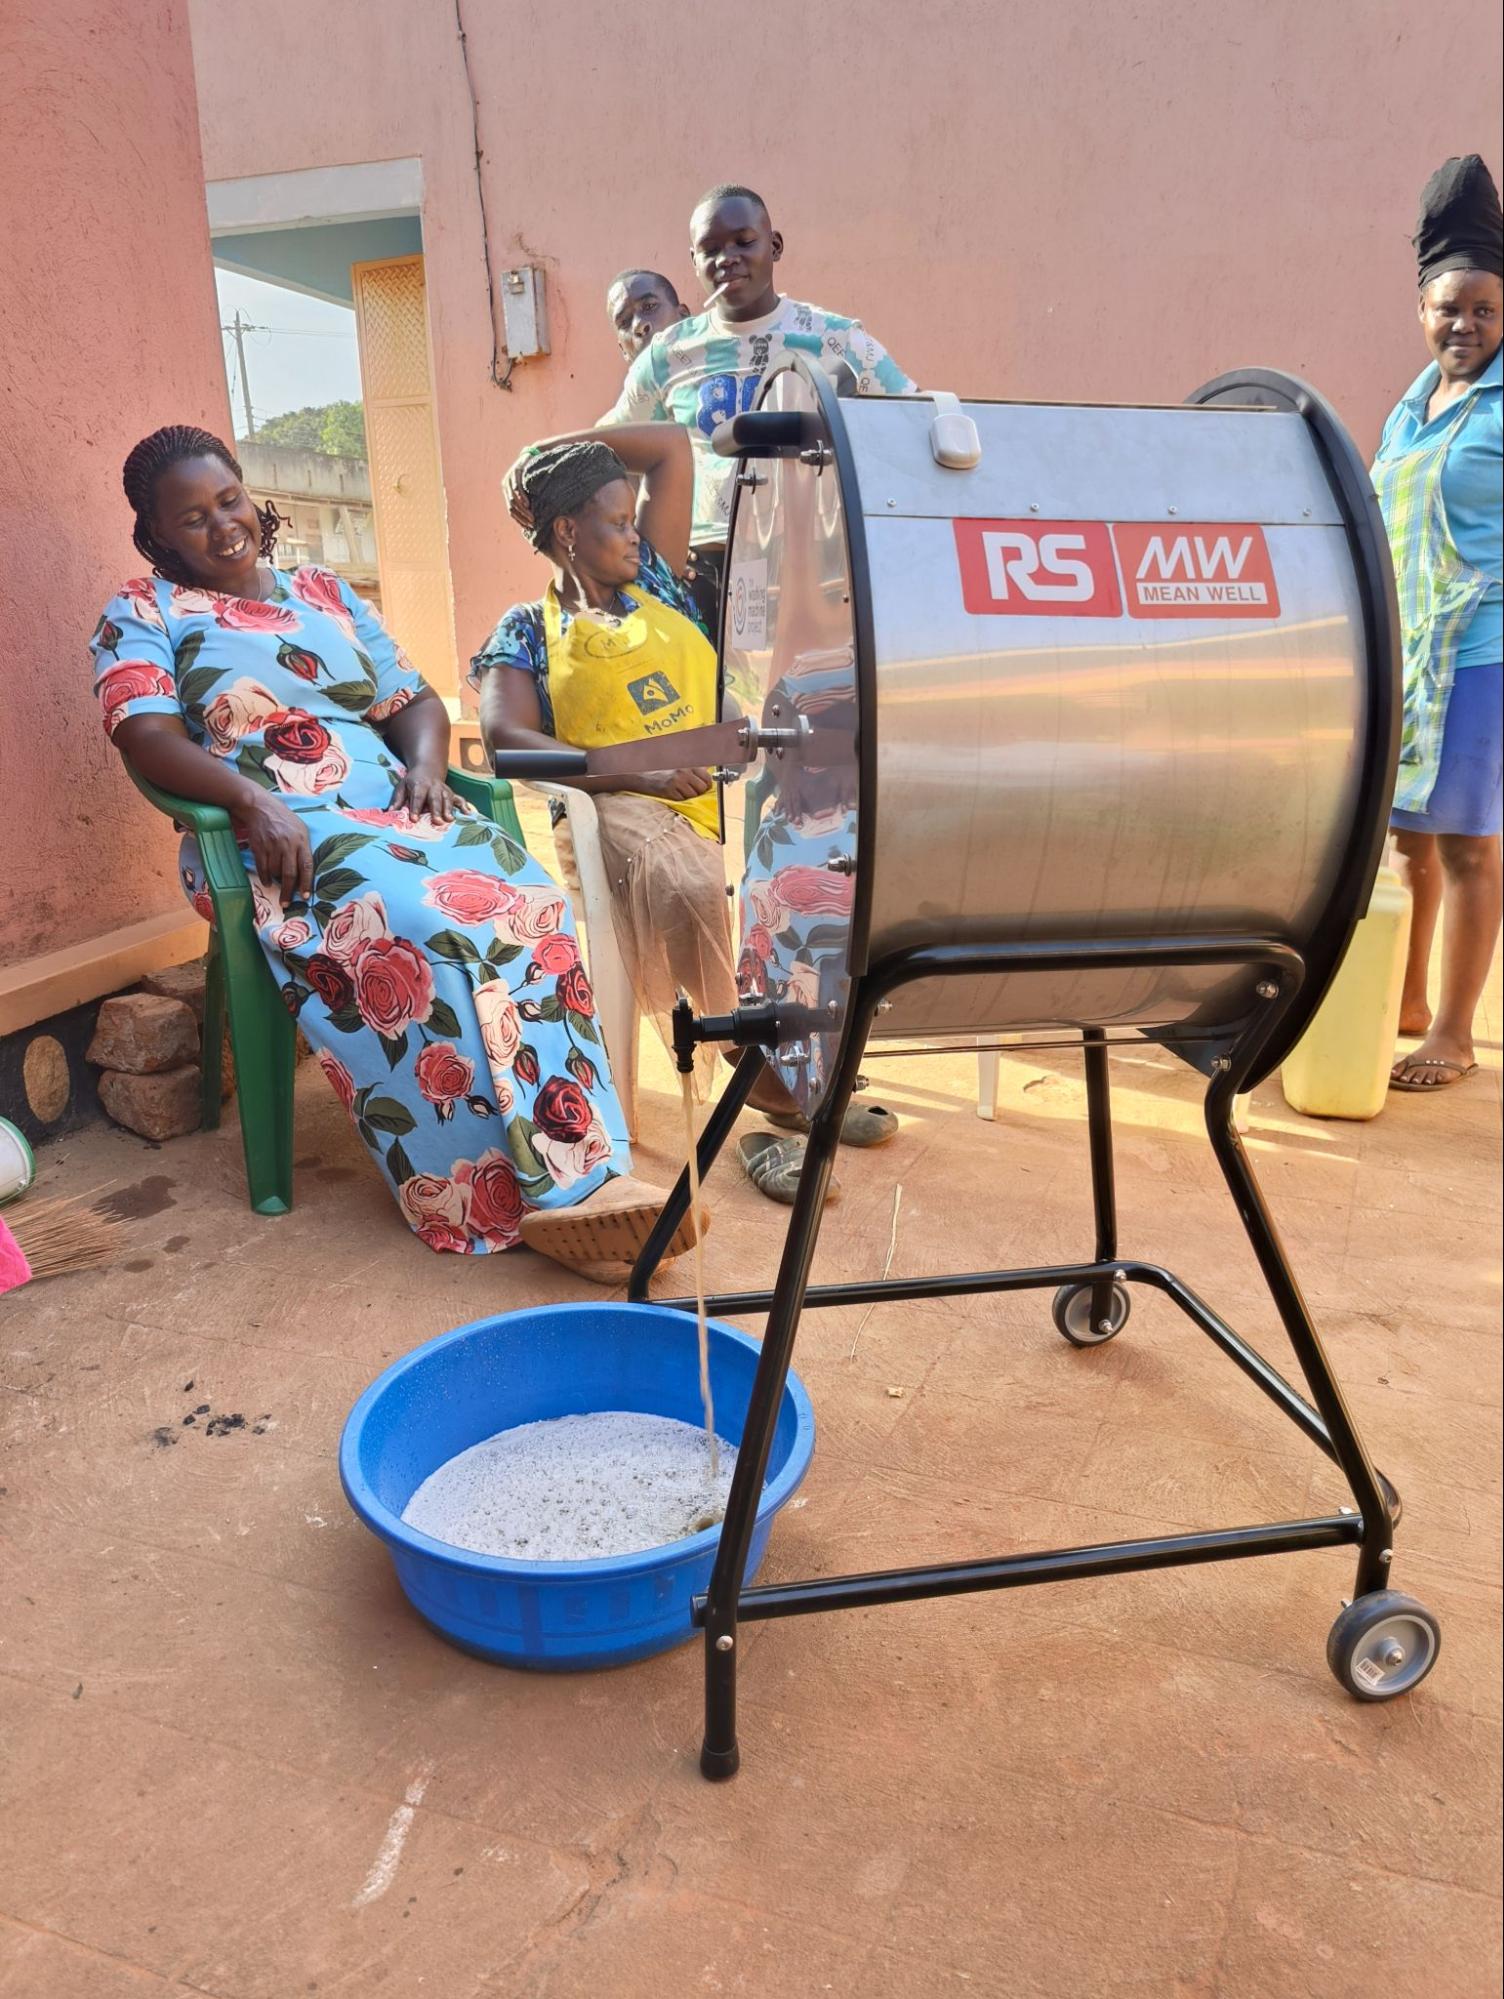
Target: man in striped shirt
x,y
710,366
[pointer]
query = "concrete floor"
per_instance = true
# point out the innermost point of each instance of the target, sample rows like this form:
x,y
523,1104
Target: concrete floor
x,y
236,1765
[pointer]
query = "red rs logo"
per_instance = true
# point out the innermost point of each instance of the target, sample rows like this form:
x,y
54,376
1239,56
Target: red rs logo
x,y
1037,569
1197,570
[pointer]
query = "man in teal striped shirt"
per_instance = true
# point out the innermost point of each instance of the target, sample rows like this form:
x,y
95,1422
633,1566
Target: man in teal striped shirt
x,y
709,367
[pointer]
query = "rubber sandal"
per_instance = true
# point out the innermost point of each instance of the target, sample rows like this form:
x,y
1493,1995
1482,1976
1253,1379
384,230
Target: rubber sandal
x,y
1461,1072
603,1243
863,1124
774,1164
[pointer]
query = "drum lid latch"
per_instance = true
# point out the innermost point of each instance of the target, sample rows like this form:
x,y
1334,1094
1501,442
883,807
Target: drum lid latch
x,y
953,436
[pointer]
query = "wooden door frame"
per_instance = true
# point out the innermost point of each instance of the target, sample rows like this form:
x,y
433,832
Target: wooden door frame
x,y
449,689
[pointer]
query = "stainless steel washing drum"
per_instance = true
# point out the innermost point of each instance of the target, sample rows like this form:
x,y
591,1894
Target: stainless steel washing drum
x,y
1131,676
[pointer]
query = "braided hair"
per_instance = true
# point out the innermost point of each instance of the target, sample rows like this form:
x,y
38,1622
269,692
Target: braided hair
x,y
561,479
143,469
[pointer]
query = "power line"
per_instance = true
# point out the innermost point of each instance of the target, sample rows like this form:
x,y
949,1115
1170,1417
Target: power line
x,y
237,329
304,332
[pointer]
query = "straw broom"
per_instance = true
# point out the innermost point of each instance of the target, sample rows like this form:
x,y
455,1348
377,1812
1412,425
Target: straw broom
x,y
56,1237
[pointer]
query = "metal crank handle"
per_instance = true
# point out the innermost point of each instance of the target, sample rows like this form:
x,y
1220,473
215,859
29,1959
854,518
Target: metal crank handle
x,y
560,764
724,745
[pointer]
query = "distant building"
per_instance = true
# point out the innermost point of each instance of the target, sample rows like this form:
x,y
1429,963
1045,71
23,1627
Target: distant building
x,y
325,504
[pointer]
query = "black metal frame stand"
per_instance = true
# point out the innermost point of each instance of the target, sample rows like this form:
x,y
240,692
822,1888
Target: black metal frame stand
x,y
1369,1528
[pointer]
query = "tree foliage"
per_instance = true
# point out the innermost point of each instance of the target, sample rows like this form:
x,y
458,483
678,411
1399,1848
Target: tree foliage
x,y
338,430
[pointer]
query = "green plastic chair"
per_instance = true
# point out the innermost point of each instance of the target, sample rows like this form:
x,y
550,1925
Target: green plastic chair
x,y
263,1035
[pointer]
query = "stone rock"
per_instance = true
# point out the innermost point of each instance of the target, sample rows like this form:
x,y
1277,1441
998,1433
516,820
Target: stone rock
x,y
189,984
45,1078
141,1034
181,982
161,1105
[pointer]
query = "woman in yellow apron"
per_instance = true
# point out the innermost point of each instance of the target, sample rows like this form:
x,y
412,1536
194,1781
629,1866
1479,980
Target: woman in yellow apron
x,y
612,653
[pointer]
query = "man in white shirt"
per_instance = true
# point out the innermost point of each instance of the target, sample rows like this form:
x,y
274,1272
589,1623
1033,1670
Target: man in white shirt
x,y
709,367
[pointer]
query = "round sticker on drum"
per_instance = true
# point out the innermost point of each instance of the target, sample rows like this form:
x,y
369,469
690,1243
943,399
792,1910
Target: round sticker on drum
x,y
749,604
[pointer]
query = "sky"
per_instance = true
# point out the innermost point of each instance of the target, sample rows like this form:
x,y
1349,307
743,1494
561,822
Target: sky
x,y
305,354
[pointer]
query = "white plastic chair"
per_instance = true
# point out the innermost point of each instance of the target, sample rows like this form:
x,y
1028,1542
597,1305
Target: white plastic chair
x,y
987,1093
615,1001
987,1084
987,1061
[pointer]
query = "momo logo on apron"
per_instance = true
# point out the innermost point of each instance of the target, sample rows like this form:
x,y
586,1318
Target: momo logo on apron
x,y
650,675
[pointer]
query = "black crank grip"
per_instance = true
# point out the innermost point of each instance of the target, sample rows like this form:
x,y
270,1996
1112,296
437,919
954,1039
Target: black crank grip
x,y
766,434
560,764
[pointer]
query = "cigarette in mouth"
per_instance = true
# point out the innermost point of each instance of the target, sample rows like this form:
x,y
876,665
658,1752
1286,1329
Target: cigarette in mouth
x,y
718,294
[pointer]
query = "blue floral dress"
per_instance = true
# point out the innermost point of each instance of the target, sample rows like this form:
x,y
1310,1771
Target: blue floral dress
x,y
434,970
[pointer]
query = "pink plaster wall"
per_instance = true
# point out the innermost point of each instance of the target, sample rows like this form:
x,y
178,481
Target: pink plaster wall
x,y
108,327
1020,198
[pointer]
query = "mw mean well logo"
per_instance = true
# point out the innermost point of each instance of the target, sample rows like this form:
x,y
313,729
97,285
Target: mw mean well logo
x,y
1097,569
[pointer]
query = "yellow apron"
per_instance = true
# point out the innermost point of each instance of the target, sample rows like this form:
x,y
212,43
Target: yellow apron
x,y
652,674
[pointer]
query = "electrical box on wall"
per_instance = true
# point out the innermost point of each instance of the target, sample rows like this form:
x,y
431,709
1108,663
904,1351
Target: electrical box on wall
x,y
524,311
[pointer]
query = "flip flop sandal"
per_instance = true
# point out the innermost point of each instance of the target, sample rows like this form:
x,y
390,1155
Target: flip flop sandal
x,y
863,1124
604,1245
774,1164
1460,1073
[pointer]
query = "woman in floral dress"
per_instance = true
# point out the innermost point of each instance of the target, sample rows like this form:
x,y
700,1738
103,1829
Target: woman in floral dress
x,y
428,959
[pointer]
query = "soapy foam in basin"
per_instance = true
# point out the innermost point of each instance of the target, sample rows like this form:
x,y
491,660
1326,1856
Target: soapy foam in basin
x,y
575,1489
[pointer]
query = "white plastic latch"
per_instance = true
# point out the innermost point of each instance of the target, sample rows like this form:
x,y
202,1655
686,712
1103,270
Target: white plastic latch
x,y
953,435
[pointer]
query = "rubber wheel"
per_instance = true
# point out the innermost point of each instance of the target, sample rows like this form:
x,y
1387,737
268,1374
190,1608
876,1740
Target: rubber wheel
x,y
1072,1314
1382,1645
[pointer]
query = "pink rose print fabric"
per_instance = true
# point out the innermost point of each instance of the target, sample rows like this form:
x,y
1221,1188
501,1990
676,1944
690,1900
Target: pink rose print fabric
x,y
435,969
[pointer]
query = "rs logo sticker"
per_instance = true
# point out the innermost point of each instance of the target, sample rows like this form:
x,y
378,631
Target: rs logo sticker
x,y
1037,569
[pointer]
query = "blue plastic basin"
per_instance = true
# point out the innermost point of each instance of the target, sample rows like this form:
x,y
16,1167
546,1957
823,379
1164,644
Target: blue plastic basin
x,y
523,1367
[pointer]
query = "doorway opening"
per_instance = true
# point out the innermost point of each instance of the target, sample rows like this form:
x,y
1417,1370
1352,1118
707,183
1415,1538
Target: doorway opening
x,y
324,310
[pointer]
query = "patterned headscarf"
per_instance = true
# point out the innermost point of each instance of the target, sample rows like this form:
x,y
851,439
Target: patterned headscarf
x,y
561,479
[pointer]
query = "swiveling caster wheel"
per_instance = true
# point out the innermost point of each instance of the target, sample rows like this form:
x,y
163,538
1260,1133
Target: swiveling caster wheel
x,y
1072,1314
1382,1645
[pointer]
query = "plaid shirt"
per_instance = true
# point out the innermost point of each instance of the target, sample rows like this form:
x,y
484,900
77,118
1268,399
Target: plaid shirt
x,y
1439,589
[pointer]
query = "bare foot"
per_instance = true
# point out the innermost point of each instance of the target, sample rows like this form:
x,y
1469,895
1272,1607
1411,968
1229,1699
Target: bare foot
x,y
1415,1022
1441,1060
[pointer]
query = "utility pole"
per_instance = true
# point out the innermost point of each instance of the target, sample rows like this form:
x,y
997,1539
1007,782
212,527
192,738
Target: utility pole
x,y
240,329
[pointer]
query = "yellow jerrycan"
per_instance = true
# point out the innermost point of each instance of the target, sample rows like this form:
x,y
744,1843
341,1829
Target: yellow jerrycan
x,y
1340,1066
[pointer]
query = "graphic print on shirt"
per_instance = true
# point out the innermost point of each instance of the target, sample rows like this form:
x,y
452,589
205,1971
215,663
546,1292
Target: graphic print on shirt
x,y
701,373
723,397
